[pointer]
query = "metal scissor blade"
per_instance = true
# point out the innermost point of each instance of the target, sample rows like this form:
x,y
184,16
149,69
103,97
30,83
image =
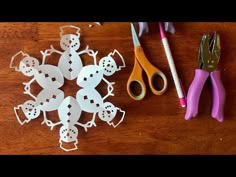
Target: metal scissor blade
x,y
134,36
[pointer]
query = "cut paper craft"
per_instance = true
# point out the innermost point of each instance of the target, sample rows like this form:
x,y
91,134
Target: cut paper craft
x,y
98,23
51,79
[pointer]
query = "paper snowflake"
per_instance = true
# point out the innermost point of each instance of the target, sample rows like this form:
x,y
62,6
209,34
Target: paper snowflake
x,y
51,79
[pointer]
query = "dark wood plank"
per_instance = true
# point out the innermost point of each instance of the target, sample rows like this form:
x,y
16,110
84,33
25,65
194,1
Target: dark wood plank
x,y
155,125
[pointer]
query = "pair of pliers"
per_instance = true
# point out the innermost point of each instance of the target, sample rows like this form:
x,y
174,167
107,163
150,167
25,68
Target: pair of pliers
x,y
209,55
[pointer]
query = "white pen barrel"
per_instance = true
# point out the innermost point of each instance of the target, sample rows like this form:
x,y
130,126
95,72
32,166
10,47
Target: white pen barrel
x,y
172,67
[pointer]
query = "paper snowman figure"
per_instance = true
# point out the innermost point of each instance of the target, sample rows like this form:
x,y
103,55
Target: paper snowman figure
x,y
69,114
70,62
88,79
48,77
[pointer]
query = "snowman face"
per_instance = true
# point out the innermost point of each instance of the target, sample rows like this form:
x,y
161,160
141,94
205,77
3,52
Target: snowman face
x,y
29,109
68,133
70,41
108,112
27,65
109,65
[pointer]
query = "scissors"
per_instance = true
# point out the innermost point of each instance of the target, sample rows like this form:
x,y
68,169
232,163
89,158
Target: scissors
x,y
208,58
141,63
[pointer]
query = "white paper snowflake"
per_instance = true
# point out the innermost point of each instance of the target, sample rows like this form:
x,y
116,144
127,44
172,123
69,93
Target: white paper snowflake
x,y
51,79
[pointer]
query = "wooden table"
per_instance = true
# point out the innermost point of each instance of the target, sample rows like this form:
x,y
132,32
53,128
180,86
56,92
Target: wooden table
x,y
155,125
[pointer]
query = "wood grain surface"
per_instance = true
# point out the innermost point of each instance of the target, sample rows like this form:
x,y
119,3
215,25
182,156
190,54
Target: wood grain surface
x,y
154,125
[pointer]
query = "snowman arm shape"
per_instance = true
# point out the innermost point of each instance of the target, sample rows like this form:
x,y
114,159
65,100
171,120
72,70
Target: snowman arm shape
x,y
121,120
109,88
52,125
92,121
54,50
27,88
82,125
47,52
86,50
90,53
45,120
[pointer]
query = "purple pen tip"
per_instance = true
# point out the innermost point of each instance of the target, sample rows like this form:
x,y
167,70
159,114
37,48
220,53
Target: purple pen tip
x,y
162,32
182,102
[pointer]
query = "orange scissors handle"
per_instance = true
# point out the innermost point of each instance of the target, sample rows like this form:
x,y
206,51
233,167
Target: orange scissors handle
x,y
150,70
136,77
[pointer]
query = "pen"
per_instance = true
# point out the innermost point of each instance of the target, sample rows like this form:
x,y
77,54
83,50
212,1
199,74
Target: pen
x,y
172,66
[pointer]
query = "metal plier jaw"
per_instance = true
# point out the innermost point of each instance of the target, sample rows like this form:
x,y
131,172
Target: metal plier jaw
x,y
209,52
209,55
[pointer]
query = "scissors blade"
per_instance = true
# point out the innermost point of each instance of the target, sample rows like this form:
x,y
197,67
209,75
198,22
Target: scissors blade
x,y
135,36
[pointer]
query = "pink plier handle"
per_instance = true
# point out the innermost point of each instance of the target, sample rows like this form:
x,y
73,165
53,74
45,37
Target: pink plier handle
x,y
195,90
